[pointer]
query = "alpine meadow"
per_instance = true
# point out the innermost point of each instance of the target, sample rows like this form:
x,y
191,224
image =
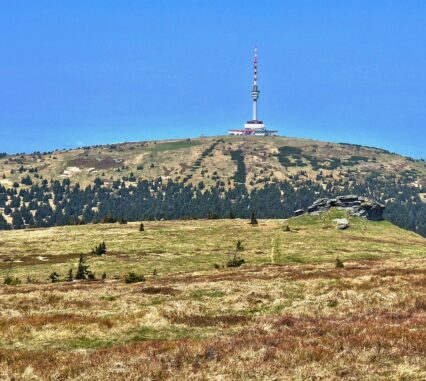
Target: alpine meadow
x,y
213,191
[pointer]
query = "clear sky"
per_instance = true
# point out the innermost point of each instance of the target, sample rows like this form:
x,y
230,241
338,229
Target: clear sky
x,y
91,72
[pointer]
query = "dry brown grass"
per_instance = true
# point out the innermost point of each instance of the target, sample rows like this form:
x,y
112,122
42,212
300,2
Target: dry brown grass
x,y
268,322
287,320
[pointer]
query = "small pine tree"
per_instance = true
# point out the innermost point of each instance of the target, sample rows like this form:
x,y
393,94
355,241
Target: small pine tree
x,y
54,277
253,220
82,270
141,228
70,276
133,277
99,249
239,246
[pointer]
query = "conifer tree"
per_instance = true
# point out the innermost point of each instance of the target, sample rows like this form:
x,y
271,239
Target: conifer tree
x,y
82,270
253,220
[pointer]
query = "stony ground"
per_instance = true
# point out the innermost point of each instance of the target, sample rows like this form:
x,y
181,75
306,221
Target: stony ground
x,y
287,313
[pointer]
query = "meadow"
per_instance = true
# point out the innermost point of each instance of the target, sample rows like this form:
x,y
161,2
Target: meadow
x,y
287,313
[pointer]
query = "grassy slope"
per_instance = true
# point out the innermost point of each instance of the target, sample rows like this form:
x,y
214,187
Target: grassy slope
x,y
175,159
287,314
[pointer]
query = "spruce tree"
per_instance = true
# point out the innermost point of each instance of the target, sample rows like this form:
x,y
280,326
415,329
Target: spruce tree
x,y
253,220
82,270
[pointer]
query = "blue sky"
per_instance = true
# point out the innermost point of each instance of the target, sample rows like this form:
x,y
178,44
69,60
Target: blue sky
x,y
79,73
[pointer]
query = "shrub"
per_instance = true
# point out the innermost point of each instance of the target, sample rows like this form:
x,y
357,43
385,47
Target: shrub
x,y
339,264
104,276
235,262
11,281
109,219
91,275
123,221
253,220
54,277
141,228
239,246
70,276
100,249
132,277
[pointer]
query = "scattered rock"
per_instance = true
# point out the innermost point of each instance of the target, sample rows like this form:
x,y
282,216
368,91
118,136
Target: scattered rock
x,y
342,223
357,206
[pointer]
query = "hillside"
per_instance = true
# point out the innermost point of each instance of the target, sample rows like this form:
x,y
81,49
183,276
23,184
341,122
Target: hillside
x,y
206,177
214,158
287,313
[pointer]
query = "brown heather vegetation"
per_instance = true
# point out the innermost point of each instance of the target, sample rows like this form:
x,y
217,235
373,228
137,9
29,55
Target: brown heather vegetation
x,y
287,314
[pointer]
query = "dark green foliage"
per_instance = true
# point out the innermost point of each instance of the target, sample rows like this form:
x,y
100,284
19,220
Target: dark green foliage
x,y
3,223
26,180
11,280
141,227
235,262
70,276
109,219
339,264
253,220
82,269
91,275
240,174
54,277
100,249
158,199
239,246
123,221
132,277
212,216
285,153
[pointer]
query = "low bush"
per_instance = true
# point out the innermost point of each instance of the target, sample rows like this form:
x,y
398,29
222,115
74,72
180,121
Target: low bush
x,y
235,262
11,281
132,277
339,264
100,249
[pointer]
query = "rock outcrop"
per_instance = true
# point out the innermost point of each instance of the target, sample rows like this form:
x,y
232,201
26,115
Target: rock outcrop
x,y
357,206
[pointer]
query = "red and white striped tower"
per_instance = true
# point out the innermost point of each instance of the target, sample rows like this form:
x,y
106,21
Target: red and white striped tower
x,y
254,126
255,89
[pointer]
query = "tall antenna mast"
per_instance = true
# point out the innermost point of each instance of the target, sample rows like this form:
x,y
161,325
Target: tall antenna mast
x,y
255,90
254,127
255,66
